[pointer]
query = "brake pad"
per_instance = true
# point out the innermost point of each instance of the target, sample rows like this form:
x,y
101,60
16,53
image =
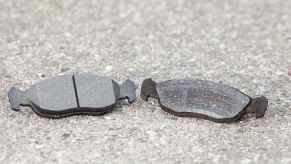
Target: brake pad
x,y
72,94
203,99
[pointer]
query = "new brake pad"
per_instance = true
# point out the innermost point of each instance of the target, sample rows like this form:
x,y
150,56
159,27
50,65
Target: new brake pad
x,y
204,99
72,94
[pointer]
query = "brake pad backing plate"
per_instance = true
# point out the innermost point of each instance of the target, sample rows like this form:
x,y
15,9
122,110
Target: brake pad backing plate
x,y
204,99
72,94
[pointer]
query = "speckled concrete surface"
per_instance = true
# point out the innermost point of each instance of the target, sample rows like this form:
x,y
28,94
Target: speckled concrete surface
x,y
246,44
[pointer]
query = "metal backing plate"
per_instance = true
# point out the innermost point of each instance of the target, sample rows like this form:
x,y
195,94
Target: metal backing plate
x,y
72,94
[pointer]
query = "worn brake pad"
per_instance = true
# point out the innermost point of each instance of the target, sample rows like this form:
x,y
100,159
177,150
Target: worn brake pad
x,y
72,94
204,99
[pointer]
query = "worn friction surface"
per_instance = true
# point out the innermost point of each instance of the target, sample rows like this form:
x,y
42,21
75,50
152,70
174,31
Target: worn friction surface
x,y
202,97
244,43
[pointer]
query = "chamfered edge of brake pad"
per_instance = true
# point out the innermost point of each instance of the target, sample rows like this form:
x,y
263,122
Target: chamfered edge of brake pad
x,y
203,99
72,94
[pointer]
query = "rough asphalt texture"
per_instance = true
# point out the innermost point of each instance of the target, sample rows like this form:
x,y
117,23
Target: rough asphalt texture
x,y
245,44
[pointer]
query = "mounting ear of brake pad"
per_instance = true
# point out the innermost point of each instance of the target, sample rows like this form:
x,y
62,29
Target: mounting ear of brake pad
x,y
204,99
72,94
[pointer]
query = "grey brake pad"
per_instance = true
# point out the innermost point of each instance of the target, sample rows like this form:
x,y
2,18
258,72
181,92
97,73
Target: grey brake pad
x,y
204,99
72,94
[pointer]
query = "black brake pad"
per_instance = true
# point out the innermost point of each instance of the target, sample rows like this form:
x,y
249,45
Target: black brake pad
x,y
204,99
72,94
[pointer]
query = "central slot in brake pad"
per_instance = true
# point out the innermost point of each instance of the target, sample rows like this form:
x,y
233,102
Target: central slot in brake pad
x,y
68,95
204,99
